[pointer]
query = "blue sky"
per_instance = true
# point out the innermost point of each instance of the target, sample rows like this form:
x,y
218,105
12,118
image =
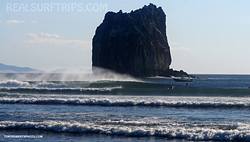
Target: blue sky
x,y
208,36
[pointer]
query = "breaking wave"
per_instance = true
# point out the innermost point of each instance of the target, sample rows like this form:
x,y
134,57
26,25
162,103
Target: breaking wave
x,y
26,84
127,101
14,83
62,90
172,131
117,87
50,87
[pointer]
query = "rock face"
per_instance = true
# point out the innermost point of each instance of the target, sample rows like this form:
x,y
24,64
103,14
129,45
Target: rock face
x,y
133,43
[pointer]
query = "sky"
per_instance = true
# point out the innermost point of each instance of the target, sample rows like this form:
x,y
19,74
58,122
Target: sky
x,y
205,36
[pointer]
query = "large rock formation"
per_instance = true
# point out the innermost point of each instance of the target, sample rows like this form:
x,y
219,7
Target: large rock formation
x,y
133,43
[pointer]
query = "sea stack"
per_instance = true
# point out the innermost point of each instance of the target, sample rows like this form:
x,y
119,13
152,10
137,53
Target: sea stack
x,y
133,43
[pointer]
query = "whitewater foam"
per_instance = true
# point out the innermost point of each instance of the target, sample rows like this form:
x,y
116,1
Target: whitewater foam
x,y
147,101
241,133
44,86
26,84
14,83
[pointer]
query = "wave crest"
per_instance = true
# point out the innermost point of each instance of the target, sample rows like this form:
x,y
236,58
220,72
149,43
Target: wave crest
x,y
179,132
157,101
14,83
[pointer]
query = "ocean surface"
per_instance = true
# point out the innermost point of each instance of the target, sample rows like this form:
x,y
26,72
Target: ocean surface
x,y
211,108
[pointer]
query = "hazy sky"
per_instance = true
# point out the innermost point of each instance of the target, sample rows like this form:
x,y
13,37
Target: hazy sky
x,y
206,36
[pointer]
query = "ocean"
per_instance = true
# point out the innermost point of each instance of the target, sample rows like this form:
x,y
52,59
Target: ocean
x,y
210,108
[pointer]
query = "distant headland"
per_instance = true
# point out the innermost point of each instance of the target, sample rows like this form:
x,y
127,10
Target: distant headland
x,y
134,43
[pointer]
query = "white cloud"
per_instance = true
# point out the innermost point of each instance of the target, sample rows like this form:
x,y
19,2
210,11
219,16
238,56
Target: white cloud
x,y
55,40
13,21
42,36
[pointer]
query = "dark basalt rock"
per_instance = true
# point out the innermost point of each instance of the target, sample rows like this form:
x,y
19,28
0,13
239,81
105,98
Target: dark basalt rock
x,y
133,43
